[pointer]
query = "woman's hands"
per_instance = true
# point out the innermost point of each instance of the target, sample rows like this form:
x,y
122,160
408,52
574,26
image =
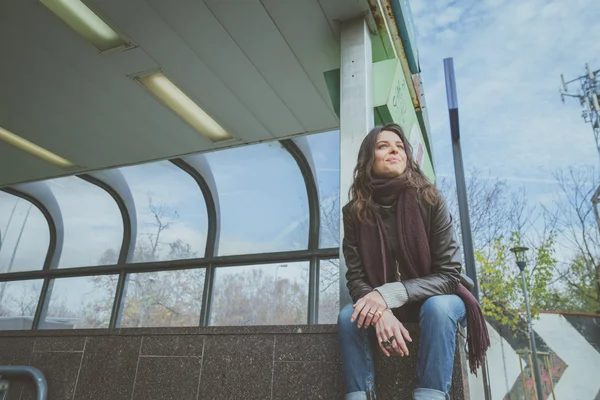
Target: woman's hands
x,y
369,309
387,328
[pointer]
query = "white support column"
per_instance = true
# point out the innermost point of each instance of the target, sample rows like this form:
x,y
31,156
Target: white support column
x,y
356,112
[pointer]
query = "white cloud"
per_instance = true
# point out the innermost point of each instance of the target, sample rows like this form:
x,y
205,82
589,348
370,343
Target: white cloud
x,y
508,61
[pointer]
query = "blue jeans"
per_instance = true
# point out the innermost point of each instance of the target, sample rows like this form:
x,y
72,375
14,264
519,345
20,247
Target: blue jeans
x,y
438,321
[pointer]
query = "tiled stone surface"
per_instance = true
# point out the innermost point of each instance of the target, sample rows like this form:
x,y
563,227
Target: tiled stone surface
x,y
324,348
16,351
395,377
167,378
167,364
460,374
60,370
108,368
307,380
16,388
237,367
190,345
196,330
59,344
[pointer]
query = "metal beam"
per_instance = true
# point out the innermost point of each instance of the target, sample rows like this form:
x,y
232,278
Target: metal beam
x,y
299,150
39,194
356,113
199,169
114,183
220,261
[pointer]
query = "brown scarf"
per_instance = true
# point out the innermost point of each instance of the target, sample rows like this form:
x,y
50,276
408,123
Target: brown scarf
x,y
415,259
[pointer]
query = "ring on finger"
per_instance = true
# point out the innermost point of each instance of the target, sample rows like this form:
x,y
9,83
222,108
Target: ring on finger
x,y
386,343
391,339
371,312
379,313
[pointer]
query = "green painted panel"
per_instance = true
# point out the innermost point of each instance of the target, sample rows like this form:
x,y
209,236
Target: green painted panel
x,y
332,79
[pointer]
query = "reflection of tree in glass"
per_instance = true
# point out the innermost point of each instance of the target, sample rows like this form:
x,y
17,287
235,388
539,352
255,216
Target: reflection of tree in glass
x,y
168,298
329,273
250,296
20,302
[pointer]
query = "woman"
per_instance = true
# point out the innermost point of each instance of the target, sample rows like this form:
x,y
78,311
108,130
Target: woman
x,y
403,266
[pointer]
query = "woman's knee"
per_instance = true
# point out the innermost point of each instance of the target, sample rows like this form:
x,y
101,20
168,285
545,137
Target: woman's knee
x,y
442,308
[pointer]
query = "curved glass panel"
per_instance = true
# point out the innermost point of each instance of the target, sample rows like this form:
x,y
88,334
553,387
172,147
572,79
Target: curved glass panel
x,y
82,302
329,291
93,226
172,221
325,150
271,294
263,200
18,302
166,298
24,235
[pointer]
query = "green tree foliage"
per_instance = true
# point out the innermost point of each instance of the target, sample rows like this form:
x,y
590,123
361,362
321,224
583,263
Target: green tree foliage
x,y
501,283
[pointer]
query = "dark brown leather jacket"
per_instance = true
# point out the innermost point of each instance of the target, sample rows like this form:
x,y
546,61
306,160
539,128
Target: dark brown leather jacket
x,y
445,257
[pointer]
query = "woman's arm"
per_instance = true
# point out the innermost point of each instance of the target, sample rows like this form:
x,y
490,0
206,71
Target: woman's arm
x,y
445,264
356,276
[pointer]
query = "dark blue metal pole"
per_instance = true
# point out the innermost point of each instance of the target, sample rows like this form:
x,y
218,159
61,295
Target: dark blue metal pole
x,y
461,190
459,171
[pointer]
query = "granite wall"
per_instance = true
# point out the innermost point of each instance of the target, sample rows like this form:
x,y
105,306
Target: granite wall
x,y
200,363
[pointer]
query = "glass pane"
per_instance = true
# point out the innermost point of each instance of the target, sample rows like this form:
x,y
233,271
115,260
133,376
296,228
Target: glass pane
x,y
167,298
273,294
24,235
92,221
18,301
325,150
329,291
264,206
82,302
171,212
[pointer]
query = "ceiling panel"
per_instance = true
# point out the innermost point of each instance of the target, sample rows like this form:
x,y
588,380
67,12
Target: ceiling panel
x,y
337,11
200,30
253,30
18,166
256,67
180,64
317,49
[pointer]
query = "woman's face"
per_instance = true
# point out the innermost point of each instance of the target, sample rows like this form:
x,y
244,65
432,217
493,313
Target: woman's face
x,y
390,156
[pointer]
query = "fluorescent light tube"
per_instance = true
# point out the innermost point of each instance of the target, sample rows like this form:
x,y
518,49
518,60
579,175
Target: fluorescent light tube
x,y
34,149
182,105
85,22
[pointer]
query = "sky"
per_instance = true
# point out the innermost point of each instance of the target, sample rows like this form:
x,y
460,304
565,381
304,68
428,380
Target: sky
x,y
508,57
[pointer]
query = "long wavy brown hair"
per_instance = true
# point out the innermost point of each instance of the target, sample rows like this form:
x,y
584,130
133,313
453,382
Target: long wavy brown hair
x,y
361,200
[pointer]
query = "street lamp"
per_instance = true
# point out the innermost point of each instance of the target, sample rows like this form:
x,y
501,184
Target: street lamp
x,y
521,263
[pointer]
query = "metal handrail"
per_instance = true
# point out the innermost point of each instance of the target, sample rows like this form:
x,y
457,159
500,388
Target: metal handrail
x,y
38,377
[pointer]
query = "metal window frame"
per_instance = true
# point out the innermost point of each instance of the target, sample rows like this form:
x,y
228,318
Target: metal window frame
x,y
114,183
202,176
211,200
312,191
